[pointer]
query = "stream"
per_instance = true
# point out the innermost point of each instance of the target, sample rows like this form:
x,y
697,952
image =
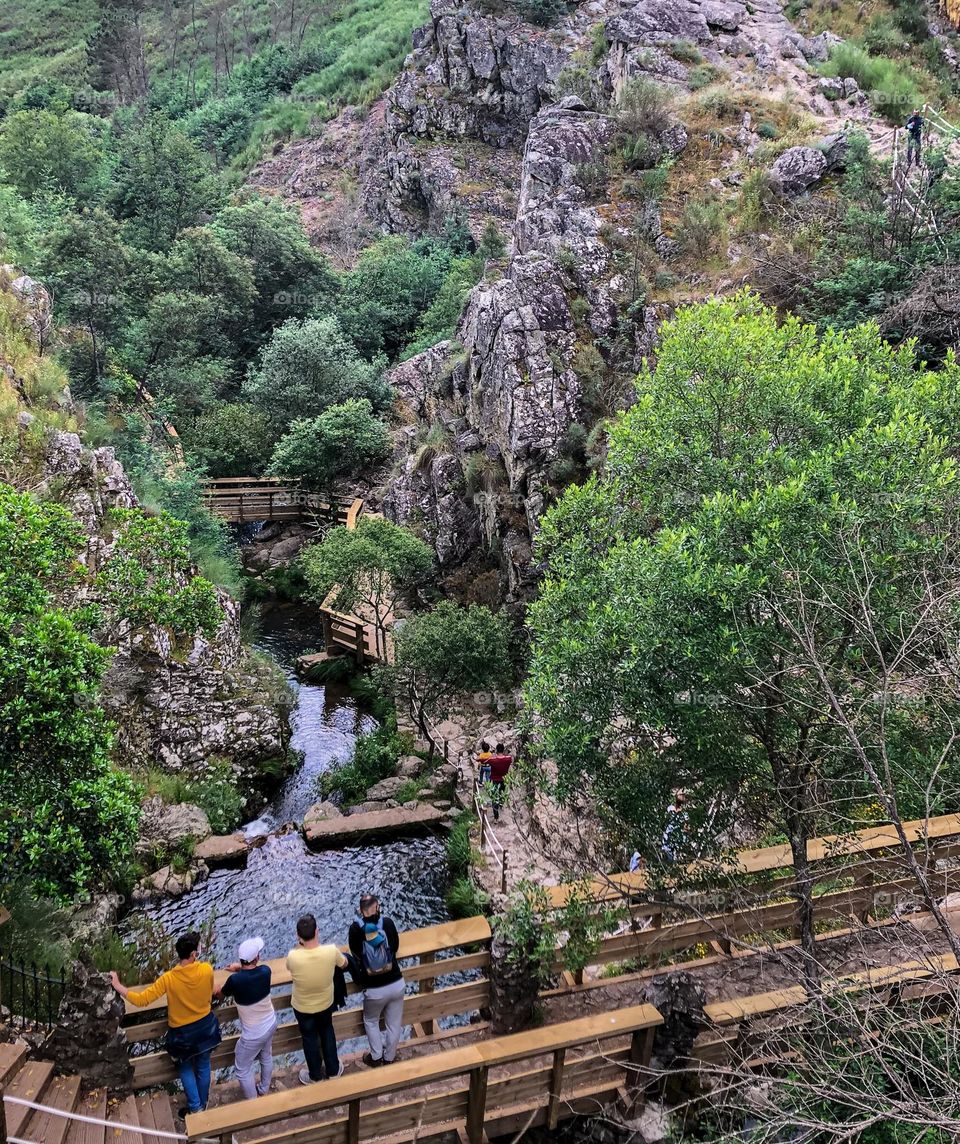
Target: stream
x,y
283,879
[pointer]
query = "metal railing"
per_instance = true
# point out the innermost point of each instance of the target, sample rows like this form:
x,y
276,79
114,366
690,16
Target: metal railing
x,y
32,993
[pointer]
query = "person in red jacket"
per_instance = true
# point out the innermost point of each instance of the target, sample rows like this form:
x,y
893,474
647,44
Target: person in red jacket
x,y
500,763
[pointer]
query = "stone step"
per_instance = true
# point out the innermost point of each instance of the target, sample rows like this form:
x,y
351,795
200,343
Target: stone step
x,y
30,1083
12,1058
94,1104
45,1128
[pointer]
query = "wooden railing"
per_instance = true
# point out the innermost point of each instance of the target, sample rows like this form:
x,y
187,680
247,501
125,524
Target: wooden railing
x,y
422,1009
244,499
536,1078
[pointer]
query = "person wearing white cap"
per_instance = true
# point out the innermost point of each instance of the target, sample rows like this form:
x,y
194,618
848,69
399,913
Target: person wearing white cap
x,y
249,986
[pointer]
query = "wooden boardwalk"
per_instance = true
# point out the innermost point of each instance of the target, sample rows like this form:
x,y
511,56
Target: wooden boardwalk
x,y
242,500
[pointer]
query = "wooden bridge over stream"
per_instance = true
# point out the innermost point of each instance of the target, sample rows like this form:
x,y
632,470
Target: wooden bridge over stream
x,y
244,500
455,1081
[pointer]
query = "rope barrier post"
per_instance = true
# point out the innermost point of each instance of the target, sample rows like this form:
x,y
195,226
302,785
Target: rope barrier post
x,y
503,873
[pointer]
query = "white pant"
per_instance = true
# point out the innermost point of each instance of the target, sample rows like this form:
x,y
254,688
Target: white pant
x,y
249,1050
383,1001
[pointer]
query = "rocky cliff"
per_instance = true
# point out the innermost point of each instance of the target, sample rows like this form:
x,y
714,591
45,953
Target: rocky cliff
x,y
175,702
602,148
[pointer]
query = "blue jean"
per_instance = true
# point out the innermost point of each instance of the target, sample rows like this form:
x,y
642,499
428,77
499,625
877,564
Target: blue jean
x,y
319,1043
195,1078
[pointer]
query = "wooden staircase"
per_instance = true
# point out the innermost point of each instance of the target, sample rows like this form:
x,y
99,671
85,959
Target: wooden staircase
x,y
35,1081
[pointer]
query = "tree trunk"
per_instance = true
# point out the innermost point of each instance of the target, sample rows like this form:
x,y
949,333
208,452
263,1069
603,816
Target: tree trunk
x,y
513,988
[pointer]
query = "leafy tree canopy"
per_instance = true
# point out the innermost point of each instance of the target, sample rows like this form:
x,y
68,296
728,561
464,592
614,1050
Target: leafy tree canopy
x,y
69,816
343,439
758,599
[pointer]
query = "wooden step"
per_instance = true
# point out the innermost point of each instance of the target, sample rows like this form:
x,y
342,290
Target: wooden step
x,y
126,1113
12,1058
30,1083
162,1110
63,1092
93,1104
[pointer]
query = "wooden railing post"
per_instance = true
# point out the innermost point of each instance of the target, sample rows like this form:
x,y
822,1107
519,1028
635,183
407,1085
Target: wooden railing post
x,y
556,1084
327,631
503,873
427,985
353,1122
3,1120
641,1049
476,1105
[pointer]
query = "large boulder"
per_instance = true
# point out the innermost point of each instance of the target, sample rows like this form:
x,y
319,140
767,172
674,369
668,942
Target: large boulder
x,y
163,827
87,1040
797,169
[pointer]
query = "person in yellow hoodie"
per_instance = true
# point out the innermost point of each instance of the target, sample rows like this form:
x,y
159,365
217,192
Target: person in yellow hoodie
x,y
194,1029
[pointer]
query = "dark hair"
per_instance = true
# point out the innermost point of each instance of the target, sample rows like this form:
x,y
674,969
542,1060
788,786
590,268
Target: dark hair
x,y
499,748
187,944
307,927
368,900
484,745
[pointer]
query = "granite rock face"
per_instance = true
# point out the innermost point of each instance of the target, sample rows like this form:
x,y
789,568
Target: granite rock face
x,y
175,703
87,1040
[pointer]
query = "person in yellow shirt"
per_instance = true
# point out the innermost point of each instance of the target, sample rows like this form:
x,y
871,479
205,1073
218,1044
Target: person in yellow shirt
x,y
194,1029
311,967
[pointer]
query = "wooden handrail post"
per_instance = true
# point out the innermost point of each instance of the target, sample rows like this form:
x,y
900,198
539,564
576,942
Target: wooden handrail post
x,y
503,873
427,985
353,1122
3,1120
556,1084
476,1104
641,1049
483,825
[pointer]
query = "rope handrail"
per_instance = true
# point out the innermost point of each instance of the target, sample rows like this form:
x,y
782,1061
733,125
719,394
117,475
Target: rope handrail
x,y
139,1129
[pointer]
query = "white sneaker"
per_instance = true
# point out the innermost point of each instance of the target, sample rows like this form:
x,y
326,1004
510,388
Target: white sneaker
x,y
340,1073
305,1077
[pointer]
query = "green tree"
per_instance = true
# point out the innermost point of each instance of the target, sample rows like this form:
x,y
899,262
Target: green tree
x,y
388,290
87,264
291,278
447,652
229,440
163,183
758,600
148,578
345,438
43,152
372,564
68,816
306,366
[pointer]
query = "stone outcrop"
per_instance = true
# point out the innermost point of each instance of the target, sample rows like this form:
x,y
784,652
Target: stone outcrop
x,y
797,169
169,882
87,1040
175,704
164,827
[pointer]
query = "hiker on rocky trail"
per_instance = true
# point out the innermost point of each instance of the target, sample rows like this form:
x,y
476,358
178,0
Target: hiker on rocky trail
x,y
500,763
311,967
249,986
194,1029
914,126
374,942
483,762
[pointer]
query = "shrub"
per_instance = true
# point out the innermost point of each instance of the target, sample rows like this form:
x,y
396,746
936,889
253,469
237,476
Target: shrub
x,y
640,152
409,792
375,758
644,107
702,75
543,12
892,87
685,51
702,228
460,853
345,438
464,899
767,130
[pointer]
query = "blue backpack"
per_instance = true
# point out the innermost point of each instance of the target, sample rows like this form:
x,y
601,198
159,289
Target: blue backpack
x,y
377,954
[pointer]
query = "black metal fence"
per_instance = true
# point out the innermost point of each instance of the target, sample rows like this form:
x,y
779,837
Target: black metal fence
x,y
31,993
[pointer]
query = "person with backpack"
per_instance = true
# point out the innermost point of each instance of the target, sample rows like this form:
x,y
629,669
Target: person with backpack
x,y
500,764
914,127
249,986
374,941
194,1031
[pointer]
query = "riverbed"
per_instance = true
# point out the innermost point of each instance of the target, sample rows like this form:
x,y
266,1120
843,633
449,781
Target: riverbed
x,y
284,879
